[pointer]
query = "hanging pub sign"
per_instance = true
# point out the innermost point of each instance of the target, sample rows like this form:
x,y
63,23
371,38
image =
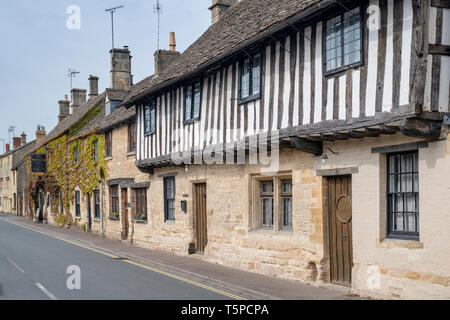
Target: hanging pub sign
x,y
38,163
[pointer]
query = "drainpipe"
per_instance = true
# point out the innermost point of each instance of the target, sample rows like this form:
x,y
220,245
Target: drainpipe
x,y
101,206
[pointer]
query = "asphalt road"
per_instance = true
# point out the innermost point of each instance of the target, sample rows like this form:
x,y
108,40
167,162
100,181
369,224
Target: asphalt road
x,y
34,266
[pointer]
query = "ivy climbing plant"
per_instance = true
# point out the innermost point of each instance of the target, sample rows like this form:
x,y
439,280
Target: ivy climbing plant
x,y
64,174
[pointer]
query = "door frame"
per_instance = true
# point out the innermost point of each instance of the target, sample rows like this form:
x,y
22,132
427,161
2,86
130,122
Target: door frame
x,y
327,235
125,212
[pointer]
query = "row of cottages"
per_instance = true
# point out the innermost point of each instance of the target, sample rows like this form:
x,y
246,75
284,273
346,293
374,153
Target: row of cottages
x,y
13,175
304,140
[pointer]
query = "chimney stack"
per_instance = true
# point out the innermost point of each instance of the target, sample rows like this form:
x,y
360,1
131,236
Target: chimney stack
x,y
40,134
121,77
163,58
93,86
78,98
218,9
23,137
7,148
64,108
17,142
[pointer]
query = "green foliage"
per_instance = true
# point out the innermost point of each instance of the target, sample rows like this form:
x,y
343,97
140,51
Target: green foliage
x,y
84,121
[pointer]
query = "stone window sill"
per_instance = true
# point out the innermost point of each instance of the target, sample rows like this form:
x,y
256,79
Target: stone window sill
x,y
399,244
108,158
131,153
263,231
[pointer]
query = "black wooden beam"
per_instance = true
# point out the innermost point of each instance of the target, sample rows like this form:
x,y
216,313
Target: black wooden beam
x,y
441,4
439,49
421,128
314,147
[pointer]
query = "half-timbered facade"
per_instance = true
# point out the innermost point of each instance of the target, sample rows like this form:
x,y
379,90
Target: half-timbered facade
x,y
355,96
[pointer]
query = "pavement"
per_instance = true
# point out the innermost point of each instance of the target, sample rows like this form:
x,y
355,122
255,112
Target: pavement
x,y
34,262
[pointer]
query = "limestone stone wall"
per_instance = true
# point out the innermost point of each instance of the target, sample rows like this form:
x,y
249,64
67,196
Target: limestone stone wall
x,y
390,268
233,238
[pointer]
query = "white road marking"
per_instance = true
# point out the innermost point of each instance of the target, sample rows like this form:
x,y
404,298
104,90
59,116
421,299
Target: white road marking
x,y
15,265
45,291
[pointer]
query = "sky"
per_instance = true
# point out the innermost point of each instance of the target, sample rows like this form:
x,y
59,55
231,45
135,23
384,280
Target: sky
x,y
38,49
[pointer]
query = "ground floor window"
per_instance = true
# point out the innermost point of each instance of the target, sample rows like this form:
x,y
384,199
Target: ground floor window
x,y
169,198
77,204
114,201
403,195
141,204
96,204
273,205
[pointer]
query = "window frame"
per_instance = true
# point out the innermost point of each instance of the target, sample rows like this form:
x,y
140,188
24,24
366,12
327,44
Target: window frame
x,y
96,199
141,201
267,195
132,137
252,96
192,86
166,199
76,155
324,42
108,144
114,203
403,235
285,195
77,201
147,107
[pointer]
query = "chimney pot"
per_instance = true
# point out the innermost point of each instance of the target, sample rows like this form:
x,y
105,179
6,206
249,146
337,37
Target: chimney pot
x,y
93,86
23,137
172,42
64,108
218,9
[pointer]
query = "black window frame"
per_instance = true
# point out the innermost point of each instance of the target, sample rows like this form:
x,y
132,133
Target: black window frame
x,y
252,96
403,235
96,199
132,137
286,195
114,203
77,201
167,216
141,201
185,88
108,144
147,108
324,36
270,195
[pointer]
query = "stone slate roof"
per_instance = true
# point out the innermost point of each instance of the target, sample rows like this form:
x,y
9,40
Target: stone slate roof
x,y
119,116
242,23
21,152
64,125
117,94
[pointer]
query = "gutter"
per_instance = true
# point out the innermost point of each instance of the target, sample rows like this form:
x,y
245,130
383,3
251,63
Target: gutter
x,y
269,32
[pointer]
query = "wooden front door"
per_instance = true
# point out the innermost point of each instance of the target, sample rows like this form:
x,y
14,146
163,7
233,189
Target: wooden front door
x,y
125,214
200,215
340,229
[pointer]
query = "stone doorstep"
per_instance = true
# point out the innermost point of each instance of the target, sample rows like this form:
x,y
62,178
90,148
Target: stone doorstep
x,y
333,291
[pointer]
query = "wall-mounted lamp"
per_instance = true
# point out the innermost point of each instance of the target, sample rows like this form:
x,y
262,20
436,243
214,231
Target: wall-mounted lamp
x,y
325,157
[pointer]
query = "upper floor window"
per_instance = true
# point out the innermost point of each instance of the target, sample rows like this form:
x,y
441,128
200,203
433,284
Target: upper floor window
x,y
108,143
250,78
192,99
95,150
403,195
150,117
343,41
132,137
76,156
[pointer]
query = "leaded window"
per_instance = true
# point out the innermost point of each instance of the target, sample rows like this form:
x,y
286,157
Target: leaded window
x,y
403,194
150,117
192,101
343,41
286,203
108,143
96,204
267,203
169,198
114,199
132,137
141,203
250,78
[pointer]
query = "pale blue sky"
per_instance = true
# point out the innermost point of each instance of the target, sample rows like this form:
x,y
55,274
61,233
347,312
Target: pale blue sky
x,y
38,49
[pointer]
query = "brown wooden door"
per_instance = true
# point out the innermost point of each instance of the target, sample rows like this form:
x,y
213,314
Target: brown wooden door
x,y
125,214
340,227
200,215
